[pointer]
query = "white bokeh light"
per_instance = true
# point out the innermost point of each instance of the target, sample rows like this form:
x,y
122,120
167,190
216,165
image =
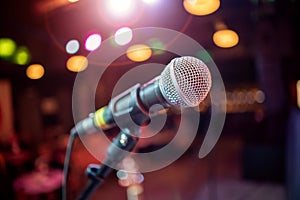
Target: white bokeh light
x,y
120,7
123,36
93,42
72,46
150,1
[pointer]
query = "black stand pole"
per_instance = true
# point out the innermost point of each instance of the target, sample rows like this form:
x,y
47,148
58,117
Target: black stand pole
x,y
121,146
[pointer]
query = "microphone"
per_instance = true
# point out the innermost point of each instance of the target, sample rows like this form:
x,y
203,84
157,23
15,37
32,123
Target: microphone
x,y
185,82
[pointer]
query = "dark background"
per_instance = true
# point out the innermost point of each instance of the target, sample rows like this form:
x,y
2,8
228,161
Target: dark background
x,y
266,58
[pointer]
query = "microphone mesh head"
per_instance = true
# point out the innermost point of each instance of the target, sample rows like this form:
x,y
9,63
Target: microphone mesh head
x,y
185,82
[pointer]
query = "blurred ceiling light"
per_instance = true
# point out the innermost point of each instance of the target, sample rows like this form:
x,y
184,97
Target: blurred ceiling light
x,y
201,7
93,42
139,52
120,7
7,47
224,37
72,1
22,56
72,46
123,36
35,71
298,93
150,1
118,13
77,63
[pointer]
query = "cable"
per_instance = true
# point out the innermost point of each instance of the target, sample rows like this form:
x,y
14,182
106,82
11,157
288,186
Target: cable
x,y
67,163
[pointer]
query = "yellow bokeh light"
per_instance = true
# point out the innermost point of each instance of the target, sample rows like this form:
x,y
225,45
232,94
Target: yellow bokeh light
x,y
225,38
139,52
22,56
7,47
298,93
77,63
201,7
35,71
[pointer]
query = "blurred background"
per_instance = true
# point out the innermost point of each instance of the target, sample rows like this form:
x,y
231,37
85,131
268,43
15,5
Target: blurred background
x,y
44,44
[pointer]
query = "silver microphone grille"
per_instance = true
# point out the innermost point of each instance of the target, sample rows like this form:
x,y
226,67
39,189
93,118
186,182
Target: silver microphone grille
x,y
185,82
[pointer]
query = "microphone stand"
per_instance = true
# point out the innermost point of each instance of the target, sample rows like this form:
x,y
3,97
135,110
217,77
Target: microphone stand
x,y
121,146
125,105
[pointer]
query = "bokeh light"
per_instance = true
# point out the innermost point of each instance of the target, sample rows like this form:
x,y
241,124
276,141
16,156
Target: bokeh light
x,y
49,106
35,71
139,52
119,13
226,38
93,41
150,1
259,96
120,8
123,35
72,46
201,7
77,63
22,56
157,46
7,47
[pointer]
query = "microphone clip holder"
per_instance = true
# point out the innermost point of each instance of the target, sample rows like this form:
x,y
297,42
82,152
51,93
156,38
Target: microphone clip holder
x,y
121,146
127,105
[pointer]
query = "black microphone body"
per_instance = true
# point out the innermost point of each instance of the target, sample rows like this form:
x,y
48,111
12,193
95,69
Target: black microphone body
x,y
185,82
134,103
